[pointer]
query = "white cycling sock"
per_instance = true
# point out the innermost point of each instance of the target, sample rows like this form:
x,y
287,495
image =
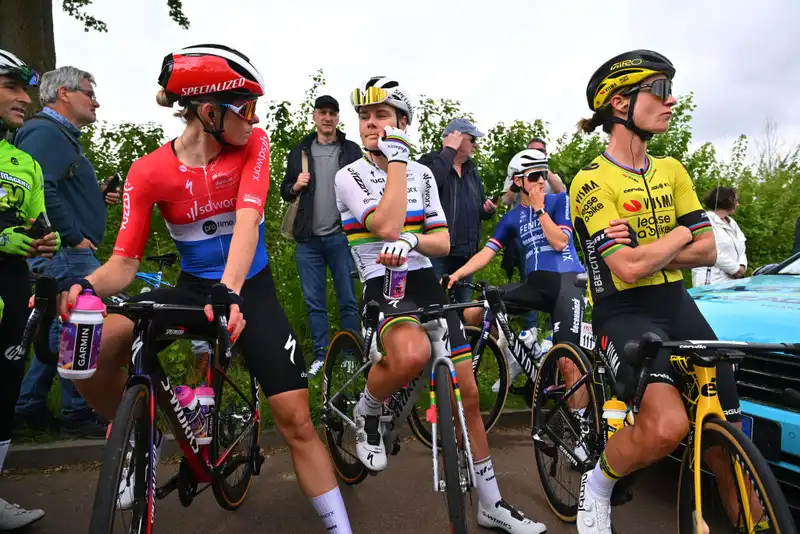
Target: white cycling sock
x,y
486,483
331,510
3,451
599,483
369,404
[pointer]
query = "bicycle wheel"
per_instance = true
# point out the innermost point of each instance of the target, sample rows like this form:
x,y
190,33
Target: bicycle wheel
x,y
566,442
456,480
725,447
133,417
236,434
489,366
345,356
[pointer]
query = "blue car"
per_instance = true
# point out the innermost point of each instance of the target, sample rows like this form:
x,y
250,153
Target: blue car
x,y
765,308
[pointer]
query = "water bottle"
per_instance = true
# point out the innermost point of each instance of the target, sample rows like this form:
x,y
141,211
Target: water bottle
x,y
527,339
614,412
394,282
205,399
80,338
194,416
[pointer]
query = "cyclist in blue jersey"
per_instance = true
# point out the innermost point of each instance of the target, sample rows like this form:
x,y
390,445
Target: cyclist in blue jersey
x,y
542,223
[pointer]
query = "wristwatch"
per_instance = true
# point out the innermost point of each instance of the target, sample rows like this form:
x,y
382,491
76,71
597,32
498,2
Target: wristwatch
x,y
540,212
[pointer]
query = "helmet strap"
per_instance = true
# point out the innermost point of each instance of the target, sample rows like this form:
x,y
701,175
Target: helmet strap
x,y
216,133
628,122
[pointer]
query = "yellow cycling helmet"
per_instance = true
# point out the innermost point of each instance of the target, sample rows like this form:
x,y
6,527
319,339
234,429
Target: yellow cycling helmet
x,y
624,70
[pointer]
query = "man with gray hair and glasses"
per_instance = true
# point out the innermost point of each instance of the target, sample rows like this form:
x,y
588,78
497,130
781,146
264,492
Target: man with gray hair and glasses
x,y
76,206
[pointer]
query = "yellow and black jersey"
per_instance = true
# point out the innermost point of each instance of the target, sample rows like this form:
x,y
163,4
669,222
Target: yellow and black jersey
x,y
653,202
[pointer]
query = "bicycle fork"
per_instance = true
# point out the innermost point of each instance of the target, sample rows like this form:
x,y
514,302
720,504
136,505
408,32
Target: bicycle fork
x,y
432,418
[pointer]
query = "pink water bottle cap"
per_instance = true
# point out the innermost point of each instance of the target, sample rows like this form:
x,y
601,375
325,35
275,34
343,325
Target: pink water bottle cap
x,y
204,391
88,301
185,395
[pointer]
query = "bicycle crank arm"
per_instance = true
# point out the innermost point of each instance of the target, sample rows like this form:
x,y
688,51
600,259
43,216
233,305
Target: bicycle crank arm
x,y
170,486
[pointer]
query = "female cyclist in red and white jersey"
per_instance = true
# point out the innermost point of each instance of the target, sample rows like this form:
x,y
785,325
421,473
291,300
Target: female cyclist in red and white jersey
x,y
210,185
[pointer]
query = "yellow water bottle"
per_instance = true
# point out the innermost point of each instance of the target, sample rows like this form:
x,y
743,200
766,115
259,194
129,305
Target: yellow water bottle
x,y
614,412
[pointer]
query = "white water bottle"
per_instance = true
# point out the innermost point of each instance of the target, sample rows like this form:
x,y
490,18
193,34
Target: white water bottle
x,y
527,339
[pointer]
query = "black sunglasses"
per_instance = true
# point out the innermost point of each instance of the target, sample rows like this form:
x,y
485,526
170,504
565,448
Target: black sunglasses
x,y
662,88
536,176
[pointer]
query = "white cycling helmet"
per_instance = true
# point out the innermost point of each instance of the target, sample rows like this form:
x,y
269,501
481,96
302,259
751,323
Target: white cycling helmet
x,y
379,90
530,158
11,65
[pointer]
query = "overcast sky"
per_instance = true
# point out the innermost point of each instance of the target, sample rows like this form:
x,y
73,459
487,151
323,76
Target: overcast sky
x,y
503,59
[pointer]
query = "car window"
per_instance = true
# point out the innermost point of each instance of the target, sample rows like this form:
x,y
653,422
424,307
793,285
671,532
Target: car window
x,y
792,268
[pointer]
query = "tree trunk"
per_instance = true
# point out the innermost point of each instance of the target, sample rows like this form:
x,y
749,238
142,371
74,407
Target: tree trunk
x,y
26,30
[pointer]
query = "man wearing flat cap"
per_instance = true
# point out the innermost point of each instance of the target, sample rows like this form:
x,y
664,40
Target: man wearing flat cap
x,y
462,195
321,242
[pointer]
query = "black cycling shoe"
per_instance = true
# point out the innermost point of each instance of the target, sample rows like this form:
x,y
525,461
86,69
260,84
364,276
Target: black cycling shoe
x,y
91,427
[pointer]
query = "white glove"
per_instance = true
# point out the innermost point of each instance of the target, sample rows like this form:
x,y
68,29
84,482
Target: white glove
x,y
402,246
395,145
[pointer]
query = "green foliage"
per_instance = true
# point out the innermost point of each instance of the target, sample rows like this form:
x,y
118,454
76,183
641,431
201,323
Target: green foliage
x,y
574,152
77,10
431,117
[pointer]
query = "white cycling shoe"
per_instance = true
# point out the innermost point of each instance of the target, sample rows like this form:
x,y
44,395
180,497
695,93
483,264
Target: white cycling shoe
x,y
369,441
125,492
13,517
506,517
594,513
514,370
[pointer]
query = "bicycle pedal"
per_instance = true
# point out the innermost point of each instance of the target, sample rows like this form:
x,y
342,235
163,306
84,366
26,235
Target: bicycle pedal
x,y
395,448
259,461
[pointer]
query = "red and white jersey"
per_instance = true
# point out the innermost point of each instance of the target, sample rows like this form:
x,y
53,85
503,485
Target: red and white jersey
x,y
198,204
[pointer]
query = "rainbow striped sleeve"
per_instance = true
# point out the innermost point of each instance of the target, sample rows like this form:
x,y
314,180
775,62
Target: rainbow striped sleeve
x,y
494,244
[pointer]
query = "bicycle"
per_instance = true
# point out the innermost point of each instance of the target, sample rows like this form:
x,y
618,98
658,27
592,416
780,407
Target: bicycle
x,y
754,486
347,365
227,464
488,356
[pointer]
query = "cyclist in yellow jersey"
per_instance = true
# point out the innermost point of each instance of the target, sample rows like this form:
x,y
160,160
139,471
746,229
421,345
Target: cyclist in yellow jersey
x,y
638,220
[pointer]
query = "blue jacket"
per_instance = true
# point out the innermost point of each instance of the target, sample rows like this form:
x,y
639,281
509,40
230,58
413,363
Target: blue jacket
x,y
74,201
462,200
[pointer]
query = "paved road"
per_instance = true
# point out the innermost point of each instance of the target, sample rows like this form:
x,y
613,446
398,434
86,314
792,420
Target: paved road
x,y
400,500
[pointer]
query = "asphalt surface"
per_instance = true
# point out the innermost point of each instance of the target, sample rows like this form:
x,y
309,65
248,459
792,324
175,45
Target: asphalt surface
x,y
399,500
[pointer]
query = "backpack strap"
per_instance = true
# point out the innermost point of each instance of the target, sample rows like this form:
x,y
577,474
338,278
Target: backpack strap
x,y
73,167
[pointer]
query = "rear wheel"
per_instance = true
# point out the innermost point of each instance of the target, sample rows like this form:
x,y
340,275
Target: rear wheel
x,y
743,485
456,478
235,433
566,442
128,464
345,356
489,366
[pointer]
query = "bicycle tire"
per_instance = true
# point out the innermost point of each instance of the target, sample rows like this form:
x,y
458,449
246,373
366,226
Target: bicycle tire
x,y
716,432
455,496
346,344
132,414
231,496
420,427
549,372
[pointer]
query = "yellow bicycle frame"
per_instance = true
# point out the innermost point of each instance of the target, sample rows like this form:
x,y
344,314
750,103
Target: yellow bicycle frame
x,y
707,405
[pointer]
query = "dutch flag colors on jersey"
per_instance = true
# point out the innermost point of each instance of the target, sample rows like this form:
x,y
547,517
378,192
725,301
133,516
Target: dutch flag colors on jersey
x,y
198,204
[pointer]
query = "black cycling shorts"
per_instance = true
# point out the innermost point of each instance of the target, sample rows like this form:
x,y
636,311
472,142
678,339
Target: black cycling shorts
x,y
422,289
668,311
268,344
554,293
15,290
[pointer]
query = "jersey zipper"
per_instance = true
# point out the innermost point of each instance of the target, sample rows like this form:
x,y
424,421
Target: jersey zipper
x,y
653,211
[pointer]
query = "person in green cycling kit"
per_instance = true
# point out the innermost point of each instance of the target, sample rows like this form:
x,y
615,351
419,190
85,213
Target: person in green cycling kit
x,y
21,202
639,222
391,214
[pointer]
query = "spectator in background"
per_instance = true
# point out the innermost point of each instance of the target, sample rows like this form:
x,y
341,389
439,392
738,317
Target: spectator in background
x,y
462,195
797,237
515,256
721,203
76,206
321,242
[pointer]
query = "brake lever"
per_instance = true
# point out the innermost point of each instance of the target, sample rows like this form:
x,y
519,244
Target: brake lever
x,y
219,300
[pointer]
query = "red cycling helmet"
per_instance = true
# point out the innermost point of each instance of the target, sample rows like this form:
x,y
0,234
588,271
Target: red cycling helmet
x,y
210,69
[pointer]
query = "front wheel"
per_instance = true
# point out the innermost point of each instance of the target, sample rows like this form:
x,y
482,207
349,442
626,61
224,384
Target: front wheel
x,y
456,479
742,496
490,367
126,467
